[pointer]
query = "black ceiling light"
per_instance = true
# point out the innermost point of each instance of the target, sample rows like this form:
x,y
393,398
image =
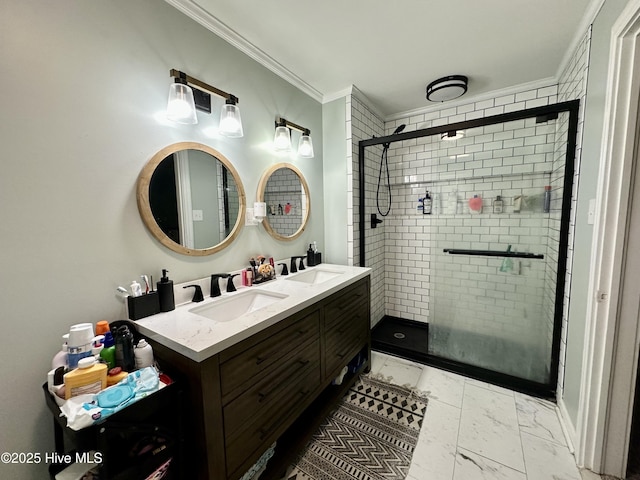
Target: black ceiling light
x,y
447,88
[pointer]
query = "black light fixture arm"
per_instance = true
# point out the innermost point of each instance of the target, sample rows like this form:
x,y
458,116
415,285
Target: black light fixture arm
x,y
232,99
281,122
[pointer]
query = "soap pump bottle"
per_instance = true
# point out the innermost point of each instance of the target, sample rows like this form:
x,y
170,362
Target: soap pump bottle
x,y
311,256
165,293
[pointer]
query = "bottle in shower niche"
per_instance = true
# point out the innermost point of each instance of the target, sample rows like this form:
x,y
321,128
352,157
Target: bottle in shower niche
x,y
498,205
546,204
427,204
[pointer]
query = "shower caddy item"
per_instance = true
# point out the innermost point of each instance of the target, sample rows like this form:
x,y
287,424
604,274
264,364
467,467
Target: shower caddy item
x,y
475,204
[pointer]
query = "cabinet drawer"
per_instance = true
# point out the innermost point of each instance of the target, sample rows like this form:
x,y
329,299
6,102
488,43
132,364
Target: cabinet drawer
x,y
344,339
273,391
257,359
347,305
261,414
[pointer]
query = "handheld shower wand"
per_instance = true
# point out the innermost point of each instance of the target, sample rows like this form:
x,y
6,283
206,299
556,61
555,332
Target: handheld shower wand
x,y
384,161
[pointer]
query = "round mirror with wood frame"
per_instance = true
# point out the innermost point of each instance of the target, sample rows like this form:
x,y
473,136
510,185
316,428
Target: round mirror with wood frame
x,y
191,199
286,193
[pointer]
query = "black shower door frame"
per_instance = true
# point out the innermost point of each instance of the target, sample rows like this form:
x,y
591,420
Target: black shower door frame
x,y
550,111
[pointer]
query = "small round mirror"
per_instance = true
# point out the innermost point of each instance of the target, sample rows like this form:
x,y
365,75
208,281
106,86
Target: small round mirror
x,y
286,193
191,199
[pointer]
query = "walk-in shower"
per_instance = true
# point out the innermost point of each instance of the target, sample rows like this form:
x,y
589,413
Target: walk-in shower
x,y
478,285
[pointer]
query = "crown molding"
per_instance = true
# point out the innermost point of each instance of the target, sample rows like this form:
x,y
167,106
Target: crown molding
x,y
204,18
587,20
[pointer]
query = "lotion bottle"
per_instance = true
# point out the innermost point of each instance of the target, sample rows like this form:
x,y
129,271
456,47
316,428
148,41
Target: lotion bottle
x,y
165,293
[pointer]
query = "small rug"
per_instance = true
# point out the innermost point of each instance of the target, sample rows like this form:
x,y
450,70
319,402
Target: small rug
x,y
371,435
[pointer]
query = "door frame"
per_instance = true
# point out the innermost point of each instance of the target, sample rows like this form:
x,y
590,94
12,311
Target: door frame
x,y
606,400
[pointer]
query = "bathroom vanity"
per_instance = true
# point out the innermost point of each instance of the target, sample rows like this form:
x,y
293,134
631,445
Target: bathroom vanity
x,y
264,373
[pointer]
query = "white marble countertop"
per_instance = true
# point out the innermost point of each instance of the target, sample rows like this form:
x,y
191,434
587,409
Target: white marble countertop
x,y
198,337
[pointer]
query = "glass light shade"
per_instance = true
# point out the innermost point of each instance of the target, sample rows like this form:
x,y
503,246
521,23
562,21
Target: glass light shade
x,y
230,121
282,139
181,108
305,147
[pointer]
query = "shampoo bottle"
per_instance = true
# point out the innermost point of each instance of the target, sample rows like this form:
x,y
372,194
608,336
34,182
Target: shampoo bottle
x,y
546,205
498,205
427,204
165,293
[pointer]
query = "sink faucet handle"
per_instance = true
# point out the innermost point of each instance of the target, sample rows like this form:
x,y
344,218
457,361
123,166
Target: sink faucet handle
x,y
284,271
215,286
230,285
197,295
293,267
301,266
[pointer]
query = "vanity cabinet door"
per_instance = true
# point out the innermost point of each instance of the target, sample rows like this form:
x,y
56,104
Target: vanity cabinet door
x,y
346,326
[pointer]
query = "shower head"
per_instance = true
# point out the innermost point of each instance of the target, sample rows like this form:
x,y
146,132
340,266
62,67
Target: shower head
x,y
396,131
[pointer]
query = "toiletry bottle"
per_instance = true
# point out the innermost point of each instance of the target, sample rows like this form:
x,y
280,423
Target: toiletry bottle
x,y
311,257
498,205
61,358
98,346
102,327
125,358
108,353
143,354
420,206
427,204
475,204
546,206
89,377
165,293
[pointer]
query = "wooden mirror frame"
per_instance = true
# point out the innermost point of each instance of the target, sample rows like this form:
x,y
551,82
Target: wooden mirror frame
x,y
262,185
144,206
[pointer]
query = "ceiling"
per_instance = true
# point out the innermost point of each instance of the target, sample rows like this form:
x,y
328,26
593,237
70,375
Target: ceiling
x,y
390,51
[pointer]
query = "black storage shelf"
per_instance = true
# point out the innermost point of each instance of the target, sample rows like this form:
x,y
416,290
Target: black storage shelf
x,y
153,417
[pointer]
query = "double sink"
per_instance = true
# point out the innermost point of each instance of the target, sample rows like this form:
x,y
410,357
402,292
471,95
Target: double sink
x,y
245,302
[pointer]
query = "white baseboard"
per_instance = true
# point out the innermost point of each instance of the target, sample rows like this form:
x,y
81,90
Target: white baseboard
x,y
567,425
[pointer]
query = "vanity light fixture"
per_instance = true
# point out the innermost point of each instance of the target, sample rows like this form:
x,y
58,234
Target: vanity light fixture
x,y
188,93
282,138
447,88
453,135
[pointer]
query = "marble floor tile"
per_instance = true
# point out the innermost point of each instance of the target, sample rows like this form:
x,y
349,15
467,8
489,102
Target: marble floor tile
x,y
401,372
546,460
538,417
435,454
441,385
377,361
470,466
489,426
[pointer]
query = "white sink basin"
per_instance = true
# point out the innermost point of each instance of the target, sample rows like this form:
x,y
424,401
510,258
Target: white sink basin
x,y
315,276
234,306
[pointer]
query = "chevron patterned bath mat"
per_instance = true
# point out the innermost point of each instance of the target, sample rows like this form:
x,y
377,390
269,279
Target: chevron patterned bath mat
x,y
370,436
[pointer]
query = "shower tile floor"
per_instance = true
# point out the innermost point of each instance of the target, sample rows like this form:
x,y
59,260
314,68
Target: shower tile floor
x,y
477,431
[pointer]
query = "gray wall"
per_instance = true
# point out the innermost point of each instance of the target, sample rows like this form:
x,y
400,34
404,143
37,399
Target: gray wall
x,y
336,188
82,85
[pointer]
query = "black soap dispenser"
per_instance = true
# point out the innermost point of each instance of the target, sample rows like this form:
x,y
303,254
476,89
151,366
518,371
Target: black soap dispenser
x,y
165,292
311,256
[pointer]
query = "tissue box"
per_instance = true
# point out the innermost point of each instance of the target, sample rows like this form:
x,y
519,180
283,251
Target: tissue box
x,y
143,306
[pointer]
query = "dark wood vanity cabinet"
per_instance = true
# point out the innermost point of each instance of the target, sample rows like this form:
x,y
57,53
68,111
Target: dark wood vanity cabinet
x,y
242,400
